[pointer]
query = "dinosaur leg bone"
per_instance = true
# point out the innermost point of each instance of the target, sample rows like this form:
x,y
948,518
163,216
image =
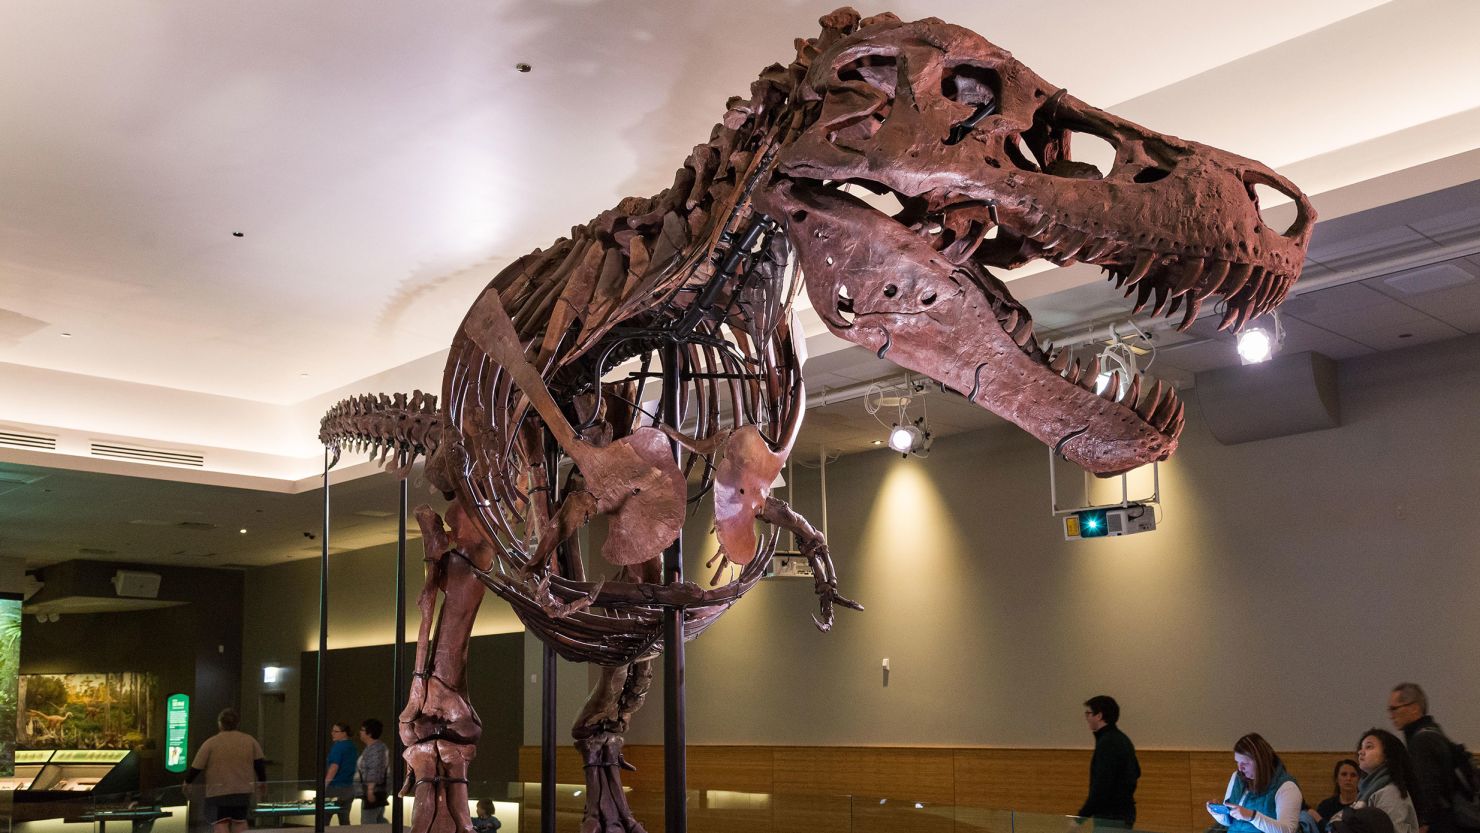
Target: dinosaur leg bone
x,y
599,738
811,544
600,727
439,727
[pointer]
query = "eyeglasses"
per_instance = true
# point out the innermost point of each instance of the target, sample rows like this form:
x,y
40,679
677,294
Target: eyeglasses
x,y
1392,709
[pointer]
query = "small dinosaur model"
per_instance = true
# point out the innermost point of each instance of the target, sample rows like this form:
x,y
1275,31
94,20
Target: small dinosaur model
x,y
544,422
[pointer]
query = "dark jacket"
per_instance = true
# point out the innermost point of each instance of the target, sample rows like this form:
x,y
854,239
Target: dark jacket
x,y
1428,749
1113,772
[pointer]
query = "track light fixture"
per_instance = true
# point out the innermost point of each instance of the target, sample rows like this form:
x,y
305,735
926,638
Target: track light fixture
x,y
907,435
1118,360
1260,342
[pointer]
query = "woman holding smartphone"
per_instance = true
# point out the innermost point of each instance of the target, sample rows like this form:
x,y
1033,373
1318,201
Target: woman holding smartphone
x,y
1261,796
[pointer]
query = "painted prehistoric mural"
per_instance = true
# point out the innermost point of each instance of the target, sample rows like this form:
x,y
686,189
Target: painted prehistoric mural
x,y
10,660
86,711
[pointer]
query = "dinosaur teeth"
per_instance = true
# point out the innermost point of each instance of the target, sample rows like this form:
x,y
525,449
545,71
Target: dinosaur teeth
x,y
1163,414
1148,405
1238,275
1161,300
1192,271
1193,306
1129,399
1213,277
1143,294
1060,362
1024,333
1071,244
1112,388
1009,321
1091,372
1096,252
1144,260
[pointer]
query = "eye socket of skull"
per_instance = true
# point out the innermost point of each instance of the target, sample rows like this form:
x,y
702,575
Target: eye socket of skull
x,y
879,70
971,85
1299,225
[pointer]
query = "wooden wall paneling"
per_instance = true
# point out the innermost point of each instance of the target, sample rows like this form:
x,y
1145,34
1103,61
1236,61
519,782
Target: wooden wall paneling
x,y
1207,779
812,784
916,774
732,788
1046,781
792,789
1163,794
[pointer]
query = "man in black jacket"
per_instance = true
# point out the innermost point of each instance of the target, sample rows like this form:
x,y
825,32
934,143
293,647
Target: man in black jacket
x,y
1113,770
1428,750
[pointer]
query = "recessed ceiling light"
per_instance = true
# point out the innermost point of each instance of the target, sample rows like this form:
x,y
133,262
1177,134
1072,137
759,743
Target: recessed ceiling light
x,y
238,234
1405,335
303,373
877,442
243,530
522,67
66,335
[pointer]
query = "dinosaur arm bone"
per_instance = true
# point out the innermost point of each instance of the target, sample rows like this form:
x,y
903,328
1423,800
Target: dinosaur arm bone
x,y
814,546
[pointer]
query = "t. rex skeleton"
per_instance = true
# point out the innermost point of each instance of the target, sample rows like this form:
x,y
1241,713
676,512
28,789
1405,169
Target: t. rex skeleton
x,y
976,148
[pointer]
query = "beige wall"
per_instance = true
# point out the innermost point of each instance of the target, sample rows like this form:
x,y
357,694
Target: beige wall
x,y
1291,583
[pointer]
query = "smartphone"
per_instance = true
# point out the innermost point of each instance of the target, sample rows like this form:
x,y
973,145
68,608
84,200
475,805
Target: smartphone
x,y
1218,808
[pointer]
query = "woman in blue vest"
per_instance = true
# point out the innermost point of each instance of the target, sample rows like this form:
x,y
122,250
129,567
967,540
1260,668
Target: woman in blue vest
x,y
1261,795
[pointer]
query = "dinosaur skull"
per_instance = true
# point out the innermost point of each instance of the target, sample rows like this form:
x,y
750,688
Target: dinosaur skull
x,y
976,148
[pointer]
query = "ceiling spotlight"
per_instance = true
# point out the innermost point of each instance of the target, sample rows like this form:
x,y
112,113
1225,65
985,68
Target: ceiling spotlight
x,y
906,435
904,438
1260,343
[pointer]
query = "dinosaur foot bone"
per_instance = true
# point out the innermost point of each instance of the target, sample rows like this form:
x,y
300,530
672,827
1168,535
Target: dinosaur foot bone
x,y
606,804
437,774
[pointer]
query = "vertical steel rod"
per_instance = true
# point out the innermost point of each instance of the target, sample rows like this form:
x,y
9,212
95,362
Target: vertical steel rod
x,y
675,775
547,742
321,712
396,765
548,676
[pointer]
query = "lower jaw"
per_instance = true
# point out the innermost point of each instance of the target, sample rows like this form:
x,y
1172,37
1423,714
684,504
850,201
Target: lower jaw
x,y
975,357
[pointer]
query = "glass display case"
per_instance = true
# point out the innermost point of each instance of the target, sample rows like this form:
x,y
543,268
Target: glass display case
x,y
83,771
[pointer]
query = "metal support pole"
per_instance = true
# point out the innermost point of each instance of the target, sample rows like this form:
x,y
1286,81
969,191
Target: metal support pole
x,y
675,775
321,712
548,674
547,742
397,765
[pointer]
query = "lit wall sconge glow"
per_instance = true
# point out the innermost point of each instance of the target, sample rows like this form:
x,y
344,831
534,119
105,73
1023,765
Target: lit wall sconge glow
x,y
272,674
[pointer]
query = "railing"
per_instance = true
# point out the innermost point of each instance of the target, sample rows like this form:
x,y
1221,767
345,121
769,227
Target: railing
x,y
516,806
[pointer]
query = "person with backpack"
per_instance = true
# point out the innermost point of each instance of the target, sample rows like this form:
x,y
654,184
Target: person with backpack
x,y
1429,753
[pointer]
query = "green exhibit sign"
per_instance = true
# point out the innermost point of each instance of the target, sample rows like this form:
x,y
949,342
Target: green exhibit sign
x,y
176,732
